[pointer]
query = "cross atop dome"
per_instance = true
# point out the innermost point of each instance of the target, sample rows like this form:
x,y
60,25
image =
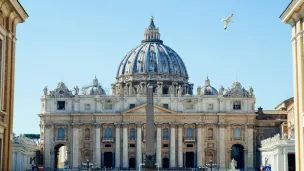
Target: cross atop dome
x,y
152,33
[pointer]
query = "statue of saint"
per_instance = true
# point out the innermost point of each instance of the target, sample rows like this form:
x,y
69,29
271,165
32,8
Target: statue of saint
x,y
45,90
76,90
251,91
233,163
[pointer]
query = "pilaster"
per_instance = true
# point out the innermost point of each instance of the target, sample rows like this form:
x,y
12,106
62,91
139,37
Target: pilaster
x,y
158,145
138,145
117,145
125,151
180,146
97,145
172,146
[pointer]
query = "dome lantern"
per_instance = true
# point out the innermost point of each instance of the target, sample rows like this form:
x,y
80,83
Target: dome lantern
x,y
152,33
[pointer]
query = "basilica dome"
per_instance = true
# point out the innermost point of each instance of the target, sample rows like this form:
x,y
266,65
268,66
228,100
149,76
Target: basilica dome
x,y
154,57
208,89
155,62
93,89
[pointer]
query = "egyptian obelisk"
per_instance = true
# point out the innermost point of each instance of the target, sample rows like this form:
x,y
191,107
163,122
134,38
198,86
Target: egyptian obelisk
x,y
150,152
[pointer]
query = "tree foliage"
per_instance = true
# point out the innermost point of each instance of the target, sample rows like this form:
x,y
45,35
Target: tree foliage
x,y
32,136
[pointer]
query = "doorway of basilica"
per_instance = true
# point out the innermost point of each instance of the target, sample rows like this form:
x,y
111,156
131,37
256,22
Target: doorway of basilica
x,y
132,163
61,157
165,162
237,153
189,159
108,162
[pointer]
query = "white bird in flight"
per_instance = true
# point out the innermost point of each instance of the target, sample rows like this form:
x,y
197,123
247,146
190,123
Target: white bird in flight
x,y
227,21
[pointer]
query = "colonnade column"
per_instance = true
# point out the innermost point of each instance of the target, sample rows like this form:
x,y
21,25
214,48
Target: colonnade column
x,y
158,145
285,160
97,144
172,146
75,147
222,143
250,158
125,163
47,147
180,146
138,145
117,146
199,152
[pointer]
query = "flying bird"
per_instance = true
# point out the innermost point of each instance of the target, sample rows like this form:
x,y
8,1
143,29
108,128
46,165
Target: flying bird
x,y
227,21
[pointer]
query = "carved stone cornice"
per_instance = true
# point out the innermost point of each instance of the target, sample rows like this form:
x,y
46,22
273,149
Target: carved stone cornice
x,y
222,125
125,125
117,125
173,125
250,126
139,125
200,125
48,126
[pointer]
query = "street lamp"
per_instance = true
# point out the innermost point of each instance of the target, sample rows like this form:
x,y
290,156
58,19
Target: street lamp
x,y
210,165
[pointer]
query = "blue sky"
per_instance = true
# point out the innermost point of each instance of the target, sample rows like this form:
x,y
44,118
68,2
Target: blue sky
x,y
72,41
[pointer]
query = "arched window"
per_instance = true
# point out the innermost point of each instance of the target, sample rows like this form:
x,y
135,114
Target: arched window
x,y
132,133
237,105
60,133
108,133
210,134
87,133
189,133
165,133
237,133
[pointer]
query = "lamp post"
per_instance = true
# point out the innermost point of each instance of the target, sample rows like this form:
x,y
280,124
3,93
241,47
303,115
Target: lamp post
x,y
210,165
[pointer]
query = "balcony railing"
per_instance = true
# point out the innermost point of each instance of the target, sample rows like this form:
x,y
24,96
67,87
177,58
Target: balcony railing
x,y
189,139
107,139
60,139
132,138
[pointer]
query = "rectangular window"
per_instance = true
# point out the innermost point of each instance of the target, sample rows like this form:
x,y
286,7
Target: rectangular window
x,y
108,106
132,145
165,145
131,106
60,105
236,105
87,107
166,106
210,106
190,145
108,145
189,106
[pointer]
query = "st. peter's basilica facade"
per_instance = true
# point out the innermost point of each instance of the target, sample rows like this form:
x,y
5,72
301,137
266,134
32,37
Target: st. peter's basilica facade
x,y
190,130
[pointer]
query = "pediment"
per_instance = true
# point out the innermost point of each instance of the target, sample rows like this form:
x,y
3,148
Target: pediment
x,y
142,110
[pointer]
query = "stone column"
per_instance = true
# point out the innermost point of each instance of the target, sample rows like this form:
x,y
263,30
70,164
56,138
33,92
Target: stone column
x,y
199,152
172,146
180,146
138,145
158,145
250,142
285,160
97,145
203,138
117,146
222,143
47,147
75,147
125,163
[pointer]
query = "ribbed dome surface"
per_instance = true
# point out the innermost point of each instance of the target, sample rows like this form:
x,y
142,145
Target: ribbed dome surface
x,y
152,57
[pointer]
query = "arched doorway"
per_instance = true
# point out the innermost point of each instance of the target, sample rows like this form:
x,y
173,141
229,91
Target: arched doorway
x,y
237,153
132,163
165,163
61,157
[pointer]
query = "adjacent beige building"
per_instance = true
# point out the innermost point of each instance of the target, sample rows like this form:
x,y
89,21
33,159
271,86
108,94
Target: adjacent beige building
x,y
11,13
294,16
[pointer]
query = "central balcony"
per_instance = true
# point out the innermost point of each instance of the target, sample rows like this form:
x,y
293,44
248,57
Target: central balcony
x,y
189,139
107,139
